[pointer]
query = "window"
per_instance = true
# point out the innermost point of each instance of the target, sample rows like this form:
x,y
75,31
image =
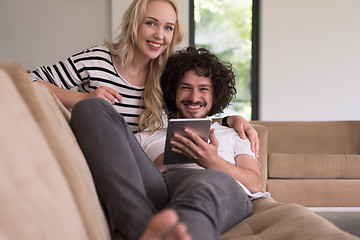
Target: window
x,y
227,28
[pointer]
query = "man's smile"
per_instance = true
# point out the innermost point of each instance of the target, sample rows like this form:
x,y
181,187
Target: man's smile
x,y
193,106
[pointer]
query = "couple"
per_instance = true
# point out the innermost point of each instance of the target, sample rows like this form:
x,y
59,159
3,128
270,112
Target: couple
x,y
209,198
126,72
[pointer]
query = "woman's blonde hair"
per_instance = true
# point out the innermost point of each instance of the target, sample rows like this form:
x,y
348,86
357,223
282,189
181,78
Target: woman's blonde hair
x,y
124,47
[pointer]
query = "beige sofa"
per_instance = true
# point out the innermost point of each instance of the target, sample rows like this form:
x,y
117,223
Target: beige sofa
x,y
315,164
46,189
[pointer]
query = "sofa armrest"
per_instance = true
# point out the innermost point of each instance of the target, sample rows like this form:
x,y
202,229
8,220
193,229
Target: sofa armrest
x,y
263,138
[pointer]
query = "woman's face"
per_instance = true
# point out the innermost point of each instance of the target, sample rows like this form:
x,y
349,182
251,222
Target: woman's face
x,y
156,31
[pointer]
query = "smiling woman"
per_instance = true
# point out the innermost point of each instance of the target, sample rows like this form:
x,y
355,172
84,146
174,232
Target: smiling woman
x,y
156,31
124,72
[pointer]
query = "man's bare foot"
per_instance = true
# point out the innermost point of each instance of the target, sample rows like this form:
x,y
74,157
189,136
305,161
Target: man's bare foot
x,y
165,226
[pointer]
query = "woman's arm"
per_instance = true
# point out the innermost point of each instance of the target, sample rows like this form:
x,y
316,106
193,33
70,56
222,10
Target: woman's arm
x,y
67,97
70,98
244,129
63,76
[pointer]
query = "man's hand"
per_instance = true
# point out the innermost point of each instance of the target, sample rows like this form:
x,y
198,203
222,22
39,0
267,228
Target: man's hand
x,y
203,153
159,163
245,131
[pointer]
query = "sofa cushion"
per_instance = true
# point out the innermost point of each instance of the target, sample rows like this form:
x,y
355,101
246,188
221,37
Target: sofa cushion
x,y
313,165
36,201
316,192
273,221
51,116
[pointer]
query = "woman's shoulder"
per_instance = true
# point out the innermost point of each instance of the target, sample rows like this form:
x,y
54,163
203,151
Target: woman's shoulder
x,y
97,50
94,56
100,48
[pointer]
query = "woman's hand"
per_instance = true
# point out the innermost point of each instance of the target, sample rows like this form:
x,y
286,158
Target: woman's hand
x,y
245,131
106,93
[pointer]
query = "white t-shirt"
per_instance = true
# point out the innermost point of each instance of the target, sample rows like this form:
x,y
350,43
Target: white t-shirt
x,y
230,145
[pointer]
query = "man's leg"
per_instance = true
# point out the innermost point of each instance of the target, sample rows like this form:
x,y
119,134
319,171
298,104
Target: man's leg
x,y
128,184
165,226
208,201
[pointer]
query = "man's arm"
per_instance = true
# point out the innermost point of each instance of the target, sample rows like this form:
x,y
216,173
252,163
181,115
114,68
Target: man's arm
x,y
159,163
247,172
205,154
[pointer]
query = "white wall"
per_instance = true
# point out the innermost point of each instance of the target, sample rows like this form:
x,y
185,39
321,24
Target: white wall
x,y
310,51
310,60
41,32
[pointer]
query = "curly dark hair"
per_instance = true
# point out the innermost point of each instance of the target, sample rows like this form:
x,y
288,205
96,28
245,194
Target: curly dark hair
x,y
205,64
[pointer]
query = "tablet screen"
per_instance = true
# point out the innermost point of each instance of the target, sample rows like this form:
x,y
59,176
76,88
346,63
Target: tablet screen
x,y
200,126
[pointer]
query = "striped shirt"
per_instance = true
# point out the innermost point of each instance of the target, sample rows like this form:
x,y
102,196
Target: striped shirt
x,y
89,70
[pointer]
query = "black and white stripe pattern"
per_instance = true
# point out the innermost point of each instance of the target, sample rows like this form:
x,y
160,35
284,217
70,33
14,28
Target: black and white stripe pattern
x,y
89,70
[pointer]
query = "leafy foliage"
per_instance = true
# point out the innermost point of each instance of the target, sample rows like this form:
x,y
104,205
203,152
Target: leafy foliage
x,y
224,27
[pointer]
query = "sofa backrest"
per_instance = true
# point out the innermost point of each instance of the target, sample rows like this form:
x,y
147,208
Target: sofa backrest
x,y
49,188
313,163
313,137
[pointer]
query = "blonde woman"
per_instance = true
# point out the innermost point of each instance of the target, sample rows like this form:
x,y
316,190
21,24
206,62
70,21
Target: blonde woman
x,y
126,72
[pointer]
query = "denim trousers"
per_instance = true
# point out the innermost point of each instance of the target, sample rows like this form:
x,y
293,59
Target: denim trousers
x,y
132,190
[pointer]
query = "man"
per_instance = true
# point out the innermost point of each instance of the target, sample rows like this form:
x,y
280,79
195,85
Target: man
x,y
196,84
132,190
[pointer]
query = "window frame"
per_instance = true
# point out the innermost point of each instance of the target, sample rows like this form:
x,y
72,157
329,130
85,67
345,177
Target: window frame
x,y
255,48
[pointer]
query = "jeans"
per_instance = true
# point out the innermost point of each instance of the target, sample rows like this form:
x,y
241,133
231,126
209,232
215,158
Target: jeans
x,y
131,189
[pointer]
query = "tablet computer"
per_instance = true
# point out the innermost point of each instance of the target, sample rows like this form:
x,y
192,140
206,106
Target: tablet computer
x,y
200,126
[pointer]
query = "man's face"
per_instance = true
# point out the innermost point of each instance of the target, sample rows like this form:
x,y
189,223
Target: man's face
x,y
194,96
